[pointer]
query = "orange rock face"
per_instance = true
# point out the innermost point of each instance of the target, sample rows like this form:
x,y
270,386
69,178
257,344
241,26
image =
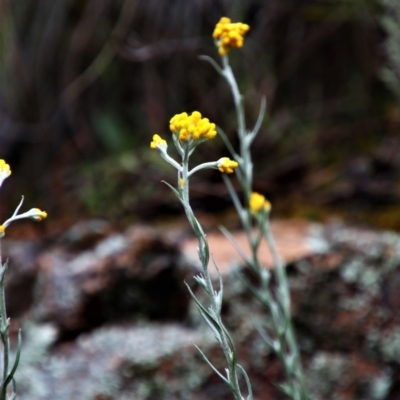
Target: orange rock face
x,y
294,241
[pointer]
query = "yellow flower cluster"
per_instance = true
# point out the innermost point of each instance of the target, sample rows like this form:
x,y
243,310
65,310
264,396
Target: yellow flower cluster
x,y
258,202
229,35
227,165
192,126
4,167
157,142
5,171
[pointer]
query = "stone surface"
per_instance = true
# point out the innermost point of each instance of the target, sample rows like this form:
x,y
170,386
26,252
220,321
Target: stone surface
x,y
345,304
136,273
127,361
22,273
294,240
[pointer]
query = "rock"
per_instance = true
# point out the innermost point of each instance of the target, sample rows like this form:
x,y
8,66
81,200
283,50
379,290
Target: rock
x,y
136,273
295,239
126,361
346,314
155,361
345,299
86,234
21,274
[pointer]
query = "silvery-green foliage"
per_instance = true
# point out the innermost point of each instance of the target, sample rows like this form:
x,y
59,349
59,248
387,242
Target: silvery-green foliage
x,y
254,215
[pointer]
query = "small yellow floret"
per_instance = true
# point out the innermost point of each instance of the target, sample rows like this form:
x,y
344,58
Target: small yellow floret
x,y
229,35
181,183
40,215
227,165
193,126
2,231
5,171
196,117
4,167
157,142
258,202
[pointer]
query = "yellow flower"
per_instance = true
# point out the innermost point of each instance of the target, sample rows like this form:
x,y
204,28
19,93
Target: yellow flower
x,y
227,165
193,126
34,213
37,214
158,142
182,183
258,202
5,171
229,35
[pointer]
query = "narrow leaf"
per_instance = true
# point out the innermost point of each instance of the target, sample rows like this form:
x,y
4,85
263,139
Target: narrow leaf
x,y
16,362
235,244
173,189
207,316
233,194
227,142
260,118
246,377
212,366
213,63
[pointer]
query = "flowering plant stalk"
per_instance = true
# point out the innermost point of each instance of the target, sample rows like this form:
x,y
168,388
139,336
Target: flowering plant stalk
x,y
188,131
9,373
254,216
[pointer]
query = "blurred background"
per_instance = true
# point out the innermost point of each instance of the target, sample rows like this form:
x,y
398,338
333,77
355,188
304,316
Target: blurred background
x,y
85,84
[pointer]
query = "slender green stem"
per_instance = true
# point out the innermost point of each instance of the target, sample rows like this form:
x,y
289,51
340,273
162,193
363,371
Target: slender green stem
x,y
229,352
246,165
4,332
8,376
284,297
226,342
285,344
